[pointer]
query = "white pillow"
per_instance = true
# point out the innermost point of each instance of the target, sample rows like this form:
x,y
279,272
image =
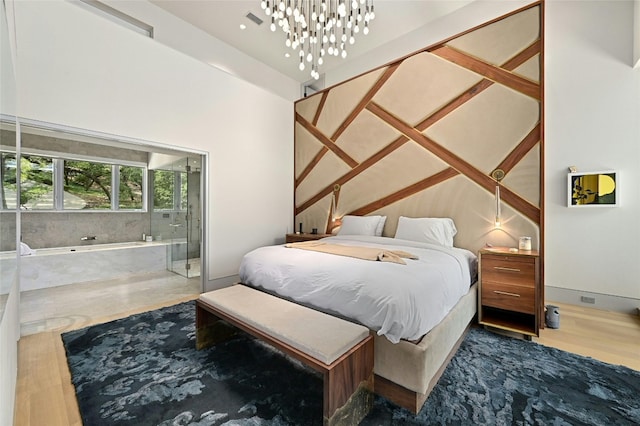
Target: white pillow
x,y
432,230
380,226
360,225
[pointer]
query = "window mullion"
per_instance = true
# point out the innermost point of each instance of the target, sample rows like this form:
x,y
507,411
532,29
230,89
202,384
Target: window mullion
x,y
115,187
58,184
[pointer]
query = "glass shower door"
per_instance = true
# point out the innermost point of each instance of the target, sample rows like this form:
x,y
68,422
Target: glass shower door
x,y
176,216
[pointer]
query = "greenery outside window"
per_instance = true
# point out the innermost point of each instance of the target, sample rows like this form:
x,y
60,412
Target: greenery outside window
x,y
49,183
169,190
36,182
9,181
130,184
87,185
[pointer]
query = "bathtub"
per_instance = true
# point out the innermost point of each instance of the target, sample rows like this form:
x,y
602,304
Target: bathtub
x,y
53,267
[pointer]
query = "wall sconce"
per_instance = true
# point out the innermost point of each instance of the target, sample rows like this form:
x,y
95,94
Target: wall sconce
x,y
334,201
498,175
334,221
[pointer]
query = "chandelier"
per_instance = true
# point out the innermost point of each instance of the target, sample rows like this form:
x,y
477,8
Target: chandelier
x,y
315,28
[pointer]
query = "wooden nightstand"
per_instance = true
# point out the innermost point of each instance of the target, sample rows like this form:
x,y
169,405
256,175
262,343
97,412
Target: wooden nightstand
x,y
510,296
296,238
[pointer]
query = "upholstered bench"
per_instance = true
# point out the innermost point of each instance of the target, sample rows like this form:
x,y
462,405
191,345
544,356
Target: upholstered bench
x,y
342,351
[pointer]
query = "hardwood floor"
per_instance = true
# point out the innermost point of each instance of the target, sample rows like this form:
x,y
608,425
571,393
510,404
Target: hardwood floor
x,y
45,394
608,336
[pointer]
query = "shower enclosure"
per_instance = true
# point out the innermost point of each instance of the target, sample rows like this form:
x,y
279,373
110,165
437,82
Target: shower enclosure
x,y
176,212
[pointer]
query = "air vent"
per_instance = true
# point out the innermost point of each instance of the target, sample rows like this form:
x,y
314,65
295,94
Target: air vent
x,y
254,18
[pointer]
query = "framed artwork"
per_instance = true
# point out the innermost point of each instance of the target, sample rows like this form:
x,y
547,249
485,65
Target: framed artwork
x,y
593,189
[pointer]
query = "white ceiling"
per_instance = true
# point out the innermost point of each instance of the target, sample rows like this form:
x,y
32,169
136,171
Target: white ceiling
x,y
222,19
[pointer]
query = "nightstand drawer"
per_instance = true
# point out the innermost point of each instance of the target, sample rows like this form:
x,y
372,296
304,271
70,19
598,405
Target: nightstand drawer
x,y
510,297
506,269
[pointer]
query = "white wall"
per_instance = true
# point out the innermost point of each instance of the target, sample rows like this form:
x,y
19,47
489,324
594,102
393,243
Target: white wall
x,y
9,313
177,34
593,122
78,69
592,98
636,34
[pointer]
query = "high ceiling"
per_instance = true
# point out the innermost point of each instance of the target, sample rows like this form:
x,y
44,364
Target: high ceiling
x,y
222,19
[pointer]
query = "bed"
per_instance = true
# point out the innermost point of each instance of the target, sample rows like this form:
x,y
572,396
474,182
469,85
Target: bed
x,y
419,310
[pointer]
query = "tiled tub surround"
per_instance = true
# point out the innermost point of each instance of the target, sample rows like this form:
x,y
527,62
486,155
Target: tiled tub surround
x,y
66,265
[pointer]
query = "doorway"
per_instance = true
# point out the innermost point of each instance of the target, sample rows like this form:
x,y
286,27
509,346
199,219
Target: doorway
x,y
176,216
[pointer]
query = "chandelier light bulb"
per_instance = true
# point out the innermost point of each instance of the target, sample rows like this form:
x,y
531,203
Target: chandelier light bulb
x,y
310,23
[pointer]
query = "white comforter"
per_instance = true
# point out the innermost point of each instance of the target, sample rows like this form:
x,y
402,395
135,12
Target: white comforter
x,y
397,301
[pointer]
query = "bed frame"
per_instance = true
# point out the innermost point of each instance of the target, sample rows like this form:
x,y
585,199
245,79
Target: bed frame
x,y
406,372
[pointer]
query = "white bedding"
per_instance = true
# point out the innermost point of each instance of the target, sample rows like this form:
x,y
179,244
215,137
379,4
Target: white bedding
x,y
397,301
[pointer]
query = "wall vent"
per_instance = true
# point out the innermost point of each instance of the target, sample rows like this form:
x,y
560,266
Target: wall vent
x,y
254,18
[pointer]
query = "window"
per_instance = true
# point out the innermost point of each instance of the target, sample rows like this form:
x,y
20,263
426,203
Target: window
x,y
87,185
169,190
48,183
36,183
9,183
130,188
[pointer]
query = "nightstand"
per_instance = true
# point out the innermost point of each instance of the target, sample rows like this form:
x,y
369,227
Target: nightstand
x,y
296,238
510,294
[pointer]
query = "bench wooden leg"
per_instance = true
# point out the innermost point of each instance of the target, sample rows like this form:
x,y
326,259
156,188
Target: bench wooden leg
x,y
348,386
210,329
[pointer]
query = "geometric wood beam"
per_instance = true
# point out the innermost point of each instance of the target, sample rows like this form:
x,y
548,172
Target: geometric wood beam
x,y
326,141
529,52
454,104
374,159
311,165
478,88
406,192
508,196
316,117
492,72
365,100
521,150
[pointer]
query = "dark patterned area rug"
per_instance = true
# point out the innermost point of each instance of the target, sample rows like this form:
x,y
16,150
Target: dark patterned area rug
x,y
144,370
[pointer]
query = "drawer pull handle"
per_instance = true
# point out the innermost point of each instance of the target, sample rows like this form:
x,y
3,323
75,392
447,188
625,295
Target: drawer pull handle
x,y
502,268
506,293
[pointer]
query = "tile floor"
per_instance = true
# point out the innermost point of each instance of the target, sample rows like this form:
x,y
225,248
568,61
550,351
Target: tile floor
x,y
74,306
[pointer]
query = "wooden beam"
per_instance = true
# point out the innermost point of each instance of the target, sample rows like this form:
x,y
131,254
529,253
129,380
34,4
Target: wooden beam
x,y
311,165
397,143
316,117
519,203
433,180
365,100
492,72
529,52
521,150
326,141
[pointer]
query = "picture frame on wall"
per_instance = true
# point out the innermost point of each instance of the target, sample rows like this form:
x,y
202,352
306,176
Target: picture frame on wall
x,y
593,189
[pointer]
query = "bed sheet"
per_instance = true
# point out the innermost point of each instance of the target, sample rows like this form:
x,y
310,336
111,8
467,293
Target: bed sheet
x,y
397,301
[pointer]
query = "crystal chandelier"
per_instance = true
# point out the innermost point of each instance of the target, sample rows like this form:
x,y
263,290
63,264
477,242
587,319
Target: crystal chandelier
x,y
315,28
